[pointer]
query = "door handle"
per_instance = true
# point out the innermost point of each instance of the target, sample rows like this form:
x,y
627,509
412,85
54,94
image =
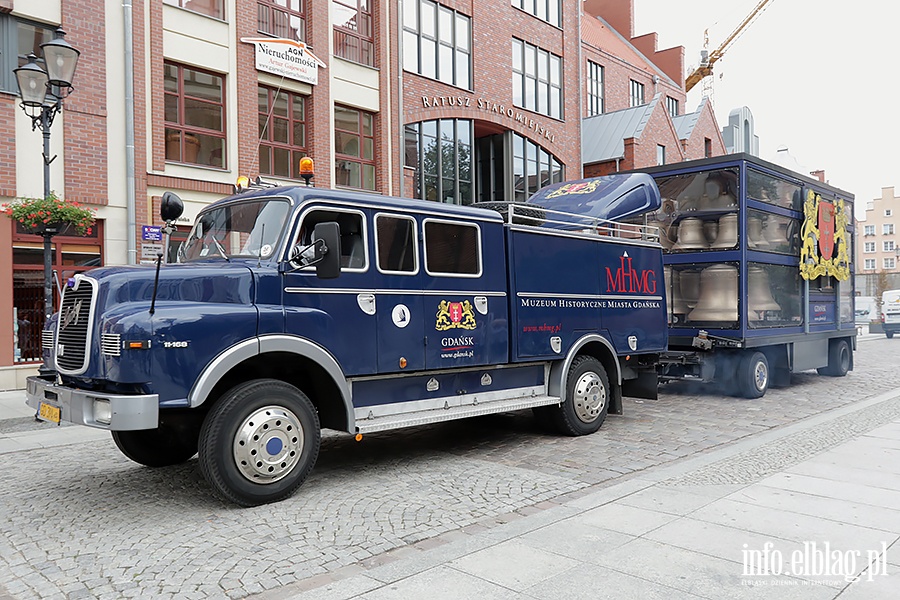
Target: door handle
x,y
366,303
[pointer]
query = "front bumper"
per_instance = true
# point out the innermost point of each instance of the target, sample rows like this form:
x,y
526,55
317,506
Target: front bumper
x,y
128,412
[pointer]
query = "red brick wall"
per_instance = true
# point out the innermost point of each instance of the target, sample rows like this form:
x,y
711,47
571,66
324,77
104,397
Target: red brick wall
x,y
318,115
8,108
85,128
706,128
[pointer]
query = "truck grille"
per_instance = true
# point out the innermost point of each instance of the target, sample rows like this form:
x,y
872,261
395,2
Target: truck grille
x,y
111,344
74,329
47,339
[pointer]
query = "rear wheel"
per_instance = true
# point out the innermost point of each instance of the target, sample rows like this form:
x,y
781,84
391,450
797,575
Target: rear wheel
x,y
753,375
889,334
587,398
172,443
838,360
259,442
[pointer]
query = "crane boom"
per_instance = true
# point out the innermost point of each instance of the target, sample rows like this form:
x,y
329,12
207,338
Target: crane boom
x,y
705,68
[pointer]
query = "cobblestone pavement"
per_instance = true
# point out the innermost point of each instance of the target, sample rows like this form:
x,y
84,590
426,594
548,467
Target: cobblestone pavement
x,y
84,522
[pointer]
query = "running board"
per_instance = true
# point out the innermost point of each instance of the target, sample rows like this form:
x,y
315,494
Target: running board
x,y
438,415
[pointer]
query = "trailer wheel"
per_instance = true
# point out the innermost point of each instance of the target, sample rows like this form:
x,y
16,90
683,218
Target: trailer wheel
x,y
164,446
753,375
259,442
889,334
587,398
838,360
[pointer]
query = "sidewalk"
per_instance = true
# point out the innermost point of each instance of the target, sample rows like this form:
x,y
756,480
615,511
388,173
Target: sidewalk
x,y
807,511
14,411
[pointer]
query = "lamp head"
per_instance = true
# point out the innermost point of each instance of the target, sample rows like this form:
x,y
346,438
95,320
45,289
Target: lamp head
x,y
62,59
32,81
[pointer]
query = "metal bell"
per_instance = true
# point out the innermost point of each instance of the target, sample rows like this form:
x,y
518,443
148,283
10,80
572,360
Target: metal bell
x,y
759,290
675,300
689,286
690,235
755,237
728,232
718,295
710,230
775,232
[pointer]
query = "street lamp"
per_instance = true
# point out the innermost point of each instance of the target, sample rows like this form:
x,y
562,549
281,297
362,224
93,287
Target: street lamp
x,y
42,95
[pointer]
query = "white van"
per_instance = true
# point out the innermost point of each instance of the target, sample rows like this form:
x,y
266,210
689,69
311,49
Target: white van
x,y
890,308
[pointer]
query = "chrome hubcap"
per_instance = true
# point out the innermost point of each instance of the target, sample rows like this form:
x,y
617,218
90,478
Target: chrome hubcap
x,y
590,397
761,375
268,444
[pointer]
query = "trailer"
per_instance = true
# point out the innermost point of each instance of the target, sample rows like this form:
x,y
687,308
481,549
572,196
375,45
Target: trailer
x,y
758,272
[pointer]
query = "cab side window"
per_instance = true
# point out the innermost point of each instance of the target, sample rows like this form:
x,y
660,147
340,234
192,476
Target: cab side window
x,y
395,244
354,253
452,249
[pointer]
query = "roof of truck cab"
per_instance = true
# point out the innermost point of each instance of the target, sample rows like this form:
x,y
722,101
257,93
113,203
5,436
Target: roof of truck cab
x,y
300,195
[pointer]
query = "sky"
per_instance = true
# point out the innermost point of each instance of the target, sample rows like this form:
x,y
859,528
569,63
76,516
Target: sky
x,y
819,78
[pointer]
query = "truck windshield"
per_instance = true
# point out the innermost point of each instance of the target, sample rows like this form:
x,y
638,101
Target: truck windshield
x,y
241,229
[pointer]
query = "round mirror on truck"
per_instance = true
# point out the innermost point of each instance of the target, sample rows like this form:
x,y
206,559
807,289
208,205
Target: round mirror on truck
x,y
171,207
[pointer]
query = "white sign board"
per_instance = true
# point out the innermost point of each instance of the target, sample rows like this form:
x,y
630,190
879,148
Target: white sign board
x,y
287,58
149,251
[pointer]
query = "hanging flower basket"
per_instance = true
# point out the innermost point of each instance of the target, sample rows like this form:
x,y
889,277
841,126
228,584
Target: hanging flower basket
x,y
50,215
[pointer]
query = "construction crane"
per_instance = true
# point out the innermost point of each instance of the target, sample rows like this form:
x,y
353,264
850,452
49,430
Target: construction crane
x,y
707,60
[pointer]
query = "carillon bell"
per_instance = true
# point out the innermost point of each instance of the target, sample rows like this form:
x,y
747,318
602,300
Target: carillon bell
x,y
775,232
689,286
759,291
718,295
728,232
675,298
710,230
690,235
755,237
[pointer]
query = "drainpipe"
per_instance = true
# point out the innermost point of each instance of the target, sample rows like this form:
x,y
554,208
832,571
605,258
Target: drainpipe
x,y
400,119
129,131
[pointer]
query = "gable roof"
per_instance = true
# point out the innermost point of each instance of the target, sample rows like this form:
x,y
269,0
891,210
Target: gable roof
x,y
684,124
601,35
603,136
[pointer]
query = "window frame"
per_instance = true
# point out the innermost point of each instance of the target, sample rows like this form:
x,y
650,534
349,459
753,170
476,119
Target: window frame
x,y
10,58
887,246
186,5
184,128
637,96
334,209
868,230
596,100
273,9
887,229
415,243
889,262
523,79
868,247
478,248
548,10
362,162
433,36
672,106
363,17
869,264
272,94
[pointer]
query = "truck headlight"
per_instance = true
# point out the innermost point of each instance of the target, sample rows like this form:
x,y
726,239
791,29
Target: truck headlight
x,y
102,411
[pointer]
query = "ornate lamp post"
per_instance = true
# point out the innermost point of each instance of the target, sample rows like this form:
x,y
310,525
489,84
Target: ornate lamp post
x,y
42,95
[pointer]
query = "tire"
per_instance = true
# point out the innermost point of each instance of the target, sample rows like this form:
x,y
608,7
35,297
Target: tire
x,y
587,398
753,375
889,334
259,442
167,445
838,360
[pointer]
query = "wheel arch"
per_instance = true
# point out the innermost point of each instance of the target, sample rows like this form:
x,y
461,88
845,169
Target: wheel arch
x,y
291,359
600,348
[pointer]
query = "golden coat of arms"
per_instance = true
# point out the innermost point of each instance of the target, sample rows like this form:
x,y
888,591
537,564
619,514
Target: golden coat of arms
x,y
455,315
824,231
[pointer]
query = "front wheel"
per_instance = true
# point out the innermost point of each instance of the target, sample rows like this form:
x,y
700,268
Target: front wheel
x,y
587,398
259,442
753,375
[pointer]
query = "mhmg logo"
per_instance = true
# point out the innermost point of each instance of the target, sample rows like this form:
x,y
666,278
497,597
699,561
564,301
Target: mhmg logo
x,y
628,280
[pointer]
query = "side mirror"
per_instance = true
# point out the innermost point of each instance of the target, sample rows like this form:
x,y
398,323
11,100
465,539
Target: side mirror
x,y
171,207
324,252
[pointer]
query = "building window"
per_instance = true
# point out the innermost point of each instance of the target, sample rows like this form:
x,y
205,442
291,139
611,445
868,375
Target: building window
x,y
354,143
889,263
707,147
870,264
18,39
887,229
595,89
437,43
441,153
888,212
533,168
869,247
868,230
537,79
545,10
353,32
282,132
888,246
672,106
210,8
194,116
282,18
660,154
637,93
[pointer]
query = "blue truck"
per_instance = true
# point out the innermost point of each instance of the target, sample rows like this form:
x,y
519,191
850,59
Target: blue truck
x,y
758,271
292,309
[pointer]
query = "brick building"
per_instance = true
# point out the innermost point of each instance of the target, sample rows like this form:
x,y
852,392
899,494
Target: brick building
x,y
878,245
444,100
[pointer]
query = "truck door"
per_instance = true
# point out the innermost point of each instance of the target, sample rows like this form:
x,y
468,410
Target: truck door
x,y
338,314
398,296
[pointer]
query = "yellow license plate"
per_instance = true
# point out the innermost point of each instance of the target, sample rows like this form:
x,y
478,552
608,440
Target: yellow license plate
x,y
48,412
